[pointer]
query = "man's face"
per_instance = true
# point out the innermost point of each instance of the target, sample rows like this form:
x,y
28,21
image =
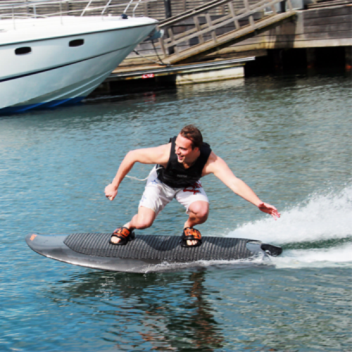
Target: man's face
x,y
184,151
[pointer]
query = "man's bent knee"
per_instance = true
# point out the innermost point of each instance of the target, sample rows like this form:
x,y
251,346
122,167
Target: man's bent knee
x,y
200,210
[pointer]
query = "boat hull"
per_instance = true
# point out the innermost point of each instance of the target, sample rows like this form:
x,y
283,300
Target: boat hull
x,y
54,73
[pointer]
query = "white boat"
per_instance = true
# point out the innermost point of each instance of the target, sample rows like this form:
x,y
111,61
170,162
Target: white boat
x,y
46,61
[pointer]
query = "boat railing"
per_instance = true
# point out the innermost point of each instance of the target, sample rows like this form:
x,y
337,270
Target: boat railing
x,y
17,9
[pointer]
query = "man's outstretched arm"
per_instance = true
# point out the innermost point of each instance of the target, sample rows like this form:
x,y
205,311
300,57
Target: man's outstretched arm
x,y
157,155
220,169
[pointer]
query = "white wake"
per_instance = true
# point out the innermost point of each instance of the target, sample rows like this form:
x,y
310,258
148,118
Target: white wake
x,y
317,232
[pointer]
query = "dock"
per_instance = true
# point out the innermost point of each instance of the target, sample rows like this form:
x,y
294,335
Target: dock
x,y
186,74
227,39
231,39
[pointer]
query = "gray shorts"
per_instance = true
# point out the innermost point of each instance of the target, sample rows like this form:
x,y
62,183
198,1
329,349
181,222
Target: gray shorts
x,y
157,194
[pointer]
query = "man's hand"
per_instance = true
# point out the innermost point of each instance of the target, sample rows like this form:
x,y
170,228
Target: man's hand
x,y
110,191
269,209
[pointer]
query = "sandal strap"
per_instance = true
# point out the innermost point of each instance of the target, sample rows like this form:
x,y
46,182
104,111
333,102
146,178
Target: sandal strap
x,y
191,234
122,232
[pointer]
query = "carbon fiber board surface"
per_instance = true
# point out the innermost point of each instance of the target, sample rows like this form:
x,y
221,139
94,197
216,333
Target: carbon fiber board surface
x,y
163,248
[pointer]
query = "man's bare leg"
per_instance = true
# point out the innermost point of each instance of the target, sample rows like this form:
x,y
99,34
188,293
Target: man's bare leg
x,y
142,220
198,213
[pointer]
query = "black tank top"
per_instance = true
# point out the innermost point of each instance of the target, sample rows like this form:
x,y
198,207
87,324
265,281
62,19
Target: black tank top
x,y
176,175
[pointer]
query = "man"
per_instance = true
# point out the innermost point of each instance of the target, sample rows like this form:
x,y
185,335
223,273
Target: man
x,y
179,166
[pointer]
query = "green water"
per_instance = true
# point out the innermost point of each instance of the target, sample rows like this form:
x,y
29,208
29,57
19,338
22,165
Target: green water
x,y
289,138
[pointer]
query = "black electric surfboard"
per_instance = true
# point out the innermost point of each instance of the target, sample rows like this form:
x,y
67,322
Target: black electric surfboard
x,y
145,252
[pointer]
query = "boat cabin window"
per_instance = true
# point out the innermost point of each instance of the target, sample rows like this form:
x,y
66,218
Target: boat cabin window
x,y
76,42
22,51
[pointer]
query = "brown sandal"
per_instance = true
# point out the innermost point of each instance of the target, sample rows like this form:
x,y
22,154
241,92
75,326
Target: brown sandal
x,y
190,234
124,234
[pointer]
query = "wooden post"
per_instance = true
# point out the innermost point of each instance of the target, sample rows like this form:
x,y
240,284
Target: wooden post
x,y
146,9
168,14
213,34
311,58
68,8
273,9
278,59
283,6
196,22
233,14
289,5
348,58
174,48
251,20
161,42
167,5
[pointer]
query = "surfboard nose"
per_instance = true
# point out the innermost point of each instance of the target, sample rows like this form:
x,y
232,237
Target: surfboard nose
x,y
30,238
44,244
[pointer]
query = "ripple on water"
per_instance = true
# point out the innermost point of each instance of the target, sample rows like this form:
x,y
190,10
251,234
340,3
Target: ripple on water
x,y
289,138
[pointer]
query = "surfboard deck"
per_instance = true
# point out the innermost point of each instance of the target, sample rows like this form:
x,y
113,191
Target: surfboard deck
x,y
145,253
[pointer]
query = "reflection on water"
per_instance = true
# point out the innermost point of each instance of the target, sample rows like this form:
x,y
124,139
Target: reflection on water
x,y
160,308
288,137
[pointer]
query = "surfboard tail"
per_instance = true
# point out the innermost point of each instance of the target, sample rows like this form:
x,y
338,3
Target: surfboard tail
x,y
271,250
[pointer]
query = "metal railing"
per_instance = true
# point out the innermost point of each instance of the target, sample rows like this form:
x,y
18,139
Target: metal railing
x,y
41,9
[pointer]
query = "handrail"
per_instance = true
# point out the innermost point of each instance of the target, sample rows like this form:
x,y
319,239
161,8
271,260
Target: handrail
x,y
128,5
106,6
134,9
193,12
218,31
13,8
83,12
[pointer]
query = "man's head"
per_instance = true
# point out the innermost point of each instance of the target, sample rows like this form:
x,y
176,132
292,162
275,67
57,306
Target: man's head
x,y
188,143
192,133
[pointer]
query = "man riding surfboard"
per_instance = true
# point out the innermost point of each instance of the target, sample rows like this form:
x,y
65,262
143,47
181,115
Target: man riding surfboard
x,y
179,166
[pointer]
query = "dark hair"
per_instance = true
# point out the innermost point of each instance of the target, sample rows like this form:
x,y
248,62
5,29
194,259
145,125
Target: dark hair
x,y
192,133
